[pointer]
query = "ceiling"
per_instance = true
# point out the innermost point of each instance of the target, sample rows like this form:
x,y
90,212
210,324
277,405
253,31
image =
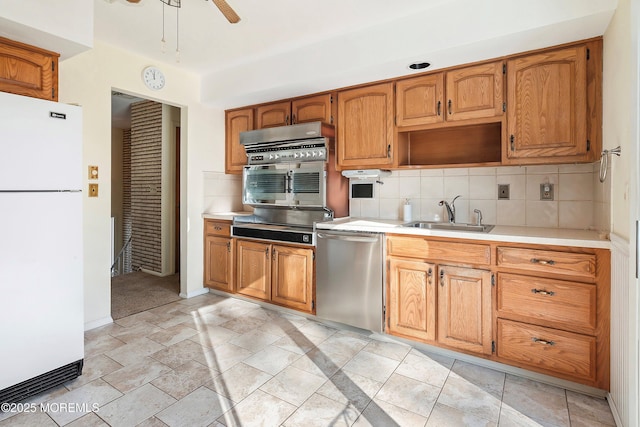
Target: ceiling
x,y
285,48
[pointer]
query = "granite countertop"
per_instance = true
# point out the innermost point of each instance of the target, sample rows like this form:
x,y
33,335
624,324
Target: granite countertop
x,y
543,236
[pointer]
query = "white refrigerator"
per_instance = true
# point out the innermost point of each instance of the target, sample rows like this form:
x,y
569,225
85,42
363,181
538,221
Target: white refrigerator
x,y
41,280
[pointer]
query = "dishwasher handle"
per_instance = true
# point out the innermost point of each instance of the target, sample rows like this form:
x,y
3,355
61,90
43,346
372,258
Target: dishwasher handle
x,y
347,238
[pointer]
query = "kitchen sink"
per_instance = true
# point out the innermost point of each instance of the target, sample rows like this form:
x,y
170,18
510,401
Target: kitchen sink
x,y
484,228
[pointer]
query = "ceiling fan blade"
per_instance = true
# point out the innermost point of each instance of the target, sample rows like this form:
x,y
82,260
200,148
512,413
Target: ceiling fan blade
x,y
226,10
133,1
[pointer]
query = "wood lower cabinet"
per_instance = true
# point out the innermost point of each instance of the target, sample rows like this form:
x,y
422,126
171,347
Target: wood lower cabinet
x,y
365,127
236,121
280,274
219,252
464,308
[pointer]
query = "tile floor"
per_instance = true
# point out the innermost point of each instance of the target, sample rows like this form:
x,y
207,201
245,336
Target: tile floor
x,y
215,361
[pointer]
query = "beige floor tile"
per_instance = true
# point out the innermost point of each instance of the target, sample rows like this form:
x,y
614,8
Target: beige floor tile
x,y
344,344
489,380
409,394
89,420
388,349
278,326
212,336
179,353
135,407
173,335
101,344
135,351
317,330
97,392
137,319
589,408
293,385
199,408
152,422
272,359
372,366
424,367
94,368
239,382
102,331
254,341
28,419
525,400
320,411
298,343
133,376
350,388
383,414
470,398
258,409
175,318
320,363
136,331
243,324
446,416
223,357
184,379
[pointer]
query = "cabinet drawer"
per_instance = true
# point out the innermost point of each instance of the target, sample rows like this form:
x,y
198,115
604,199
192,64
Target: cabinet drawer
x,y
565,263
459,253
548,349
217,228
569,305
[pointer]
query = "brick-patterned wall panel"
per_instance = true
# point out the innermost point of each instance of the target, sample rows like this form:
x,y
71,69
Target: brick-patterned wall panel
x,y
126,199
146,185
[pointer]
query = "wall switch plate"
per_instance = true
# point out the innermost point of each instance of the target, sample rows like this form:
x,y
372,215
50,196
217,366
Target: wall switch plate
x,y
503,191
93,190
93,172
546,191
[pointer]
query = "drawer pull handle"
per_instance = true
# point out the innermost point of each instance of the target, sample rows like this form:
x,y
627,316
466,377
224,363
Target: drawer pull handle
x,y
543,261
541,341
543,292
217,227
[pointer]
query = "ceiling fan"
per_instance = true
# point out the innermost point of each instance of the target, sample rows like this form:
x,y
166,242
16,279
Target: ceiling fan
x,y
224,7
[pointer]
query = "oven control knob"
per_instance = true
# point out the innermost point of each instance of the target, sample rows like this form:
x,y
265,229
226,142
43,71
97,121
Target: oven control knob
x,y
313,154
270,156
275,156
295,155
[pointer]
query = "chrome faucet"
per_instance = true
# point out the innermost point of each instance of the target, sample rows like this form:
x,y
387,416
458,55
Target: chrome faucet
x,y
451,209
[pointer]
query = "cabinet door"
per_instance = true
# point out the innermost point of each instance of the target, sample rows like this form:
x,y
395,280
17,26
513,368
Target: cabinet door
x,y
254,269
412,299
365,127
312,109
218,267
475,92
274,114
464,308
27,70
547,107
236,121
419,101
292,277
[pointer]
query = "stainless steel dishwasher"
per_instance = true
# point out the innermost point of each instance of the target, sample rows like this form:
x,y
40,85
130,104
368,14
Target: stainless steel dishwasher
x,y
350,278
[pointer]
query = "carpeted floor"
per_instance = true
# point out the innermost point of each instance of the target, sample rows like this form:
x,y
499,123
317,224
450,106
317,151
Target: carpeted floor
x,y
135,292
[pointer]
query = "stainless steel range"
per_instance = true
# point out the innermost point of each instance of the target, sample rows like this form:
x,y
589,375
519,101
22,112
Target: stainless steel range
x,y
291,182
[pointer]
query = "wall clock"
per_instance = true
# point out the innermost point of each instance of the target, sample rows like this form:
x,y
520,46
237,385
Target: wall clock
x,y
153,78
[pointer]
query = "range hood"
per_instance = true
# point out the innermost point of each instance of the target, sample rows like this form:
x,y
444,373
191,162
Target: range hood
x,y
286,135
366,173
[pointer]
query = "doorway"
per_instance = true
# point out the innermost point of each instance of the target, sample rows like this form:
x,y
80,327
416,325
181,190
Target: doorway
x,y
145,204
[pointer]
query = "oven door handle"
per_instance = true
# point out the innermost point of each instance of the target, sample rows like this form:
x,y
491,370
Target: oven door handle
x,y
347,238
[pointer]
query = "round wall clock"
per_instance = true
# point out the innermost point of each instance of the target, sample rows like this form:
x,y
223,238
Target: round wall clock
x,y
153,78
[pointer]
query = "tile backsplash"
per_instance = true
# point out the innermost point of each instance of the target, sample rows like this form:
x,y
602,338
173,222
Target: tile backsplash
x,y
580,201
222,193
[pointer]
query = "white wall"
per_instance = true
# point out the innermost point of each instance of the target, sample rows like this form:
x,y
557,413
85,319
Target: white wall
x,y
87,79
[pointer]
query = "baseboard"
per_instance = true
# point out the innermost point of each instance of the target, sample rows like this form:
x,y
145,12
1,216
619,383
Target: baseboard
x,y
614,410
195,293
97,323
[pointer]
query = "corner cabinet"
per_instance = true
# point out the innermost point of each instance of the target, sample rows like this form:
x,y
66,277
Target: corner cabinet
x,y
365,127
28,70
218,256
236,121
280,274
553,104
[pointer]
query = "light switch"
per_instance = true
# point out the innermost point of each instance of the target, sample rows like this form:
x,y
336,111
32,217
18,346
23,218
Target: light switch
x,y
93,172
93,190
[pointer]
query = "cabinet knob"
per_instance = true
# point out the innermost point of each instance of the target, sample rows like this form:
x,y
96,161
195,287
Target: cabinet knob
x,y
441,277
429,275
228,246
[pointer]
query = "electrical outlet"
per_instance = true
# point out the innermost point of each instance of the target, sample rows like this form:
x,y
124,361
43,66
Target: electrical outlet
x,y
93,190
503,191
546,191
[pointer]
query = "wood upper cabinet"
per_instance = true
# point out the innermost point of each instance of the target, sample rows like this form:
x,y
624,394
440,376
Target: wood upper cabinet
x,y
365,127
547,107
28,70
316,108
280,274
236,121
464,308
219,249
461,94
292,277
412,299
254,269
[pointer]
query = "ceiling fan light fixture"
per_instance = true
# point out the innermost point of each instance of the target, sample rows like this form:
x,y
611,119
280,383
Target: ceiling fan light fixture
x,y
419,65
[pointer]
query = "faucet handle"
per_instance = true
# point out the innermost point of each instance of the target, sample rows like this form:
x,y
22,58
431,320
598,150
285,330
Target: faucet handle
x,y
479,213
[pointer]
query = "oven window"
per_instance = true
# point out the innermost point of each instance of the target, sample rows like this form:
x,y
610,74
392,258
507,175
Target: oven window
x,y
306,182
266,184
